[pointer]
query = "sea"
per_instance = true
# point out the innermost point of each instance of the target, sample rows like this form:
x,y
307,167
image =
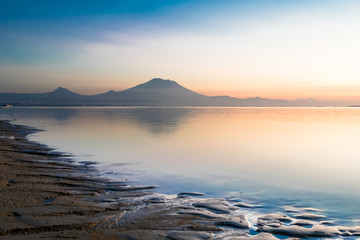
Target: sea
x,y
271,157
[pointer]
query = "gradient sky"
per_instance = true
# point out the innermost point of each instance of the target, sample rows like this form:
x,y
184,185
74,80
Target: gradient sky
x,y
266,48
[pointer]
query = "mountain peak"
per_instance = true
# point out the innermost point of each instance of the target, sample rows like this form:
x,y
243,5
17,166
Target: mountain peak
x,y
159,83
160,80
61,90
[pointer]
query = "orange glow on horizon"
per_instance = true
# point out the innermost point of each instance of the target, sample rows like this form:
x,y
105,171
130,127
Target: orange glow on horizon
x,y
333,93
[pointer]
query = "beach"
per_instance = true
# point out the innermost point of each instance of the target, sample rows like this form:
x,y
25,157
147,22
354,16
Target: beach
x,y
179,120
46,194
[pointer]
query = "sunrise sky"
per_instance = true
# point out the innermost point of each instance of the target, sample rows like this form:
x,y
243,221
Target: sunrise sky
x,y
267,48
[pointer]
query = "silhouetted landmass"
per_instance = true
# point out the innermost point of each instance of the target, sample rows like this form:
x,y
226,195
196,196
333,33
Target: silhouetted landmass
x,y
156,92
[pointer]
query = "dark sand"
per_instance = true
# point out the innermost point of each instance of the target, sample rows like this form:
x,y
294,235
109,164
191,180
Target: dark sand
x,y
45,195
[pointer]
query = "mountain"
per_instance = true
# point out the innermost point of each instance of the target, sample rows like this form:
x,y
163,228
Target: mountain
x,y
63,92
60,96
156,92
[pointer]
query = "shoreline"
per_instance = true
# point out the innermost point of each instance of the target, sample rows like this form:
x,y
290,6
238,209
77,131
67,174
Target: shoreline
x,y
44,194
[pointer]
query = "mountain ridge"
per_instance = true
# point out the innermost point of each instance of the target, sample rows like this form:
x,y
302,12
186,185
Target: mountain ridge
x,y
155,92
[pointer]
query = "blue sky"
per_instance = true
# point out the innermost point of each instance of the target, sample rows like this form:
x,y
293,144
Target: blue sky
x,y
239,48
40,31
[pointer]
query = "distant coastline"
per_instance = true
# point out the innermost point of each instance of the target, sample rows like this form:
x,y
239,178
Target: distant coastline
x,y
156,92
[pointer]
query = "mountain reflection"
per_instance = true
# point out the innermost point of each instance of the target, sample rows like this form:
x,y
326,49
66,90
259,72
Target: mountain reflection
x,y
41,113
156,120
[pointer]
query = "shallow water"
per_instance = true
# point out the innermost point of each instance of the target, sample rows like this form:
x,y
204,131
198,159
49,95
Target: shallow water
x,y
270,156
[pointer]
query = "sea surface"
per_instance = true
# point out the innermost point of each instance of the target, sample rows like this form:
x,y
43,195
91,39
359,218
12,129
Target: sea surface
x,y
274,157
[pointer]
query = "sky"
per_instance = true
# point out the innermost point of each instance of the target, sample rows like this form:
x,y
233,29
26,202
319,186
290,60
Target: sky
x,y
241,48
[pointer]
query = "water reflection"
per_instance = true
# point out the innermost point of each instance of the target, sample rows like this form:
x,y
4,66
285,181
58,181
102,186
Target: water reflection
x,y
306,155
58,114
155,120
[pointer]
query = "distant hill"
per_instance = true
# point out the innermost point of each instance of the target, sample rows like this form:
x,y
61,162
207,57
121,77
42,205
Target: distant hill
x,y
60,96
156,92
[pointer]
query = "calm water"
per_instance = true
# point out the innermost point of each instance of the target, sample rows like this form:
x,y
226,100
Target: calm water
x,y
271,156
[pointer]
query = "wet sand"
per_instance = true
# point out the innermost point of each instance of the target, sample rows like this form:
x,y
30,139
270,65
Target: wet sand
x,y
46,195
